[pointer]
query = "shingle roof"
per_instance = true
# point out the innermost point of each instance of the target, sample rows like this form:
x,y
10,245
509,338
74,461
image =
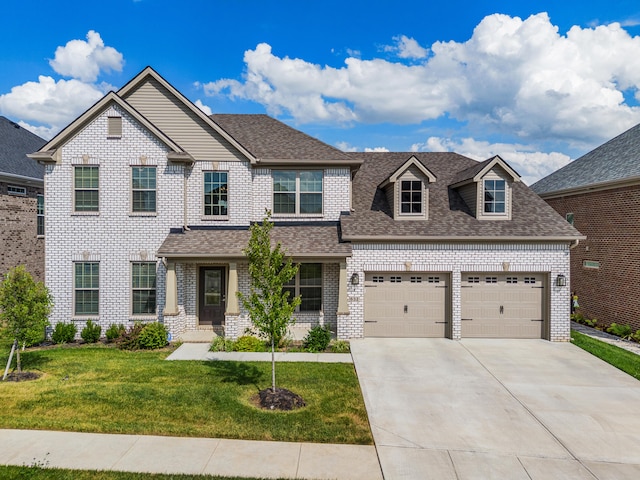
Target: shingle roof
x,y
269,139
449,216
15,143
310,240
618,159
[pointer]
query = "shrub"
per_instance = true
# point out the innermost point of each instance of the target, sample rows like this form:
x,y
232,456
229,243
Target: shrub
x,y
340,346
636,336
114,331
248,343
91,333
130,340
153,335
221,344
64,332
593,322
317,339
622,331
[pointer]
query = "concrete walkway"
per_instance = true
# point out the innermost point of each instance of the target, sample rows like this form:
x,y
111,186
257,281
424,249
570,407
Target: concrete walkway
x,y
498,409
211,456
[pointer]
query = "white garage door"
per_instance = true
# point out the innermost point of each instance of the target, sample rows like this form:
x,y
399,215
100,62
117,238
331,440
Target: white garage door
x,y
503,305
406,304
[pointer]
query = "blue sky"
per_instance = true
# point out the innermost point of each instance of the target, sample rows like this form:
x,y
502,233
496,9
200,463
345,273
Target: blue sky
x,y
537,82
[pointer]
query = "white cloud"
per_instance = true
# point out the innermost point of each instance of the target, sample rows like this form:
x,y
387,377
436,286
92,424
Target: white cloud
x,y
512,76
207,111
85,60
346,147
376,149
48,105
531,164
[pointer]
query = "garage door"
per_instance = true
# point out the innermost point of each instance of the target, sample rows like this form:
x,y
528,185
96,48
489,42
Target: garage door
x,y
405,304
503,305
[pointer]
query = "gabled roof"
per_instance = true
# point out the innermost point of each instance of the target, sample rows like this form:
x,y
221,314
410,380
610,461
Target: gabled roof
x,y
273,142
148,72
617,160
15,143
476,172
47,151
449,217
413,161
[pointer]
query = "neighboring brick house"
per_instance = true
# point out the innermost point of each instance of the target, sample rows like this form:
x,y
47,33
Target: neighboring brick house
x,y
149,203
21,201
599,193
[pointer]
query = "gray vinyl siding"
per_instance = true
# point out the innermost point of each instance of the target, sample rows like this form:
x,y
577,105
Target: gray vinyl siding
x,y
184,127
469,195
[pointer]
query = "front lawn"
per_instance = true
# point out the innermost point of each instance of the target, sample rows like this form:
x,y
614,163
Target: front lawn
x,y
626,361
105,390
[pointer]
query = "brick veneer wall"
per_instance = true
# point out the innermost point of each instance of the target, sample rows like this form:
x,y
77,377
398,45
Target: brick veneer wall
x,y
19,243
552,259
610,219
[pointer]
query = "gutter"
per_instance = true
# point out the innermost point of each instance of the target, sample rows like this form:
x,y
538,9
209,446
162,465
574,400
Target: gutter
x,y
457,239
21,178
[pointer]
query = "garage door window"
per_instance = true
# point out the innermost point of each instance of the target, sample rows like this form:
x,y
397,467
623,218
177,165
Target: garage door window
x,y
491,280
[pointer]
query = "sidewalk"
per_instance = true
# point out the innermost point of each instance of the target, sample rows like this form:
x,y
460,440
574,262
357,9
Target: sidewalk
x,y
200,351
606,337
209,456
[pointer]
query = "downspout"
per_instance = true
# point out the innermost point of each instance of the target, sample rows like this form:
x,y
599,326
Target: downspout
x,y
185,199
574,244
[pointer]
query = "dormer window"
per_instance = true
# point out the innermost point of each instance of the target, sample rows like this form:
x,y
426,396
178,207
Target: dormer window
x,y
411,197
494,196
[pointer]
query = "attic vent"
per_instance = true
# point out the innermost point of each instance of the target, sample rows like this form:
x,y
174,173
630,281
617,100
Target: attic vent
x,y
114,127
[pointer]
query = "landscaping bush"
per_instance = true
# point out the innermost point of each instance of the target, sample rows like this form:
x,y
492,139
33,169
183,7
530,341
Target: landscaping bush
x,y
114,331
317,339
153,335
130,340
91,333
221,344
248,343
340,346
622,331
636,336
64,333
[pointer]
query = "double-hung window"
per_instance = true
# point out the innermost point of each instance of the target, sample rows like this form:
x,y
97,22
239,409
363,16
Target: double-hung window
x,y
297,192
143,185
86,191
494,196
410,196
86,288
308,284
216,194
143,286
40,214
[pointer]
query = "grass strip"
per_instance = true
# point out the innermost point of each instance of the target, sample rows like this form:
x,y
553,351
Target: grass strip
x,y
620,358
105,390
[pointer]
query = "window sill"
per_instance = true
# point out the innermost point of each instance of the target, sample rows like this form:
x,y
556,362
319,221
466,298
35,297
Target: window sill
x,y
84,318
214,218
142,318
143,214
39,236
297,215
85,214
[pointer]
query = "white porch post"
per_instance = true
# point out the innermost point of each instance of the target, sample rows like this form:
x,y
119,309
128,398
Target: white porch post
x,y
343,303
171,301
232,290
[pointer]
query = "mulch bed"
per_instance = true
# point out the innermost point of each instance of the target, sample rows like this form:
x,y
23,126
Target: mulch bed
x,y
281,399
22,377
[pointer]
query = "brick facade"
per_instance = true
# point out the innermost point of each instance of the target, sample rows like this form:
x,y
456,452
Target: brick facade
x,y
610,220
19,242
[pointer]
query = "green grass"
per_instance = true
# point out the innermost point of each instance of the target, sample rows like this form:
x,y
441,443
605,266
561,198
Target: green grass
x,y
626,361
105,390
38,473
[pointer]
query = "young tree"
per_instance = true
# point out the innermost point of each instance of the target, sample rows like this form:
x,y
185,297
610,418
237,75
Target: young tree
x,y
24,307
269,306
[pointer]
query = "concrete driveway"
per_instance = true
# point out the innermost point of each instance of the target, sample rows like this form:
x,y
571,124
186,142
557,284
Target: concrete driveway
x,y
498,409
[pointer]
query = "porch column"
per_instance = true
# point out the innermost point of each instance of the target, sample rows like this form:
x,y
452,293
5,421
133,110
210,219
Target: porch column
x,y
343,303
232,290
171,300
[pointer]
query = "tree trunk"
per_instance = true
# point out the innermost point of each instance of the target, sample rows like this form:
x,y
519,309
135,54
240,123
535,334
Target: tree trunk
x,y
273,365
18,361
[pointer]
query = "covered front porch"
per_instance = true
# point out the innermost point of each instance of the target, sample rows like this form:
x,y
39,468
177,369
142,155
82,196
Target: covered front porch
x,y
206,268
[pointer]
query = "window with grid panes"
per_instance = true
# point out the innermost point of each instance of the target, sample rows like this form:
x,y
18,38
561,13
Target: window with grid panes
x,y
297,192
494,196
86,288
40,214
308,284
86,192
143,288
216,193
410,196
143,185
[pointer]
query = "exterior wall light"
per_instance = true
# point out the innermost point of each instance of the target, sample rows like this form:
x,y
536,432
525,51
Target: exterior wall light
x,y
355,279
561,281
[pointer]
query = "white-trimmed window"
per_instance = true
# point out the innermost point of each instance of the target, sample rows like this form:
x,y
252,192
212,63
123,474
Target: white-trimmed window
x,y
86,188
297,192
143,288
86,278
40,214
216,194
143,189
410,197
308,284
495,196
14,190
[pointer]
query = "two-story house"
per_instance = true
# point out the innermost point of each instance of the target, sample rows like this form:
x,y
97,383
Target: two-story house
x,y
149,203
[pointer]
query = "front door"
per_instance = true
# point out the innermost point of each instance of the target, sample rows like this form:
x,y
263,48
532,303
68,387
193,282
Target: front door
x,y
211,296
